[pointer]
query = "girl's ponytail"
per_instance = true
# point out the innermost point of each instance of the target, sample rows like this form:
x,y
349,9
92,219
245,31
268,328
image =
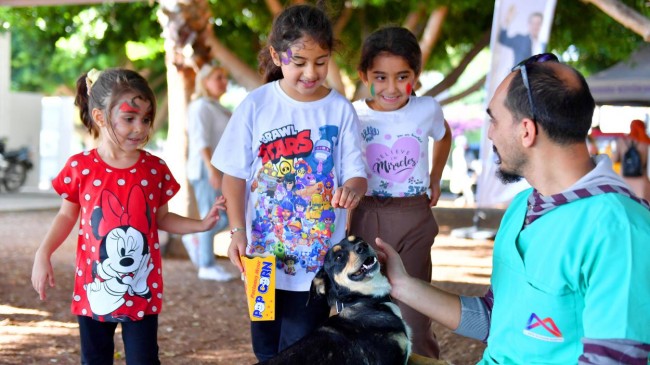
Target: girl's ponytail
x,y
81,101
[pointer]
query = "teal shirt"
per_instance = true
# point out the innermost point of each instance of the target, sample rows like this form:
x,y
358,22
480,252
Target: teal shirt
x,y
581,270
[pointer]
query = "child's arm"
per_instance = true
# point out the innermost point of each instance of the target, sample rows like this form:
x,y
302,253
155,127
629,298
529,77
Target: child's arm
x,y
350,193
174,223
234,189
42,273
438,161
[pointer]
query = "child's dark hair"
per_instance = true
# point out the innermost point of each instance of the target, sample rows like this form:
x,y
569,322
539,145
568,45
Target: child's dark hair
x,y
102,90
397,41
293,23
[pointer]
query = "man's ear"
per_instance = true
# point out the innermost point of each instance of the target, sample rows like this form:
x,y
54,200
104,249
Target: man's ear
x,y
529,130
275,56
98,117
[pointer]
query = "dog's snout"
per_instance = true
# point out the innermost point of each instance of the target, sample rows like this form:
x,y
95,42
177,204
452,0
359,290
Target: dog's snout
x,y
361,247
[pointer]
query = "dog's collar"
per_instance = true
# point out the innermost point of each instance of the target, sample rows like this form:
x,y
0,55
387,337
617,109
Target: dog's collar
x,y
340,305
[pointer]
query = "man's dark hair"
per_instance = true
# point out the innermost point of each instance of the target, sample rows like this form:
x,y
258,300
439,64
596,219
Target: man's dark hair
x,y
563,108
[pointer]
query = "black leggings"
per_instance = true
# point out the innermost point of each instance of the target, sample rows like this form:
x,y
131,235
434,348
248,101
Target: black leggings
x,y
140,341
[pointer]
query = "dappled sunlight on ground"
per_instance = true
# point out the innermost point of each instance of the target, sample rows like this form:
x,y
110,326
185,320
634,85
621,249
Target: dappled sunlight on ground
x,y
202,322
462,260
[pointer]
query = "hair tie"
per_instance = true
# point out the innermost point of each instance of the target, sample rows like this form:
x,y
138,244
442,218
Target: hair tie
x,y
91,77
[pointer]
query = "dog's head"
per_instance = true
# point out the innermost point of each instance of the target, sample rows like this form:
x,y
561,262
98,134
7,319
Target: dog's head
x,y
350,270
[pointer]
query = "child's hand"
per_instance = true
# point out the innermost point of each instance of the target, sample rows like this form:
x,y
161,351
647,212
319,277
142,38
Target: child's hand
x,y
435,193
211,219
42,275
237,249
344,197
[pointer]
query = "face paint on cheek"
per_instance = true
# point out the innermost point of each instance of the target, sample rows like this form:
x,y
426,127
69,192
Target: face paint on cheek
x,y
372,90
287,60
409,88
126,108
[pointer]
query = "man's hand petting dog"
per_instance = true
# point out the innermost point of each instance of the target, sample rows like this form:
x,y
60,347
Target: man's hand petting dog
x,y
368,328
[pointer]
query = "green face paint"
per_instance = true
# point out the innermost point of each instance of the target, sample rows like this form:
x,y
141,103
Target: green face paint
x,y
372,90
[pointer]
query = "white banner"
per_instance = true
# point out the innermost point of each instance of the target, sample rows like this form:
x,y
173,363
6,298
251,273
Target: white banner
x,y
520,29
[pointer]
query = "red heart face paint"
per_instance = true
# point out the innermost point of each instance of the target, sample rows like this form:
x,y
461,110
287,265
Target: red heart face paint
x,y
127,108
409,88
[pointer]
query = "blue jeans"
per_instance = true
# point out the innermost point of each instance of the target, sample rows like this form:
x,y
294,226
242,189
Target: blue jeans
x,y
296,315
140,341
205,196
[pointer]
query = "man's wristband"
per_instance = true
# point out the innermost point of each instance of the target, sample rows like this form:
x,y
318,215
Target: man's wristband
x,y
236,229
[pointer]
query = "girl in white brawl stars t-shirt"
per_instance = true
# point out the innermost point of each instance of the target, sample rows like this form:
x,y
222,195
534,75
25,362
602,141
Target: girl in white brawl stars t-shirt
x,y
292,164
395,130
119,194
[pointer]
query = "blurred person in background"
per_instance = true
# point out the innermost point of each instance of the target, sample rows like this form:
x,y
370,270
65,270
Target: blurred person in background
x,y
207,121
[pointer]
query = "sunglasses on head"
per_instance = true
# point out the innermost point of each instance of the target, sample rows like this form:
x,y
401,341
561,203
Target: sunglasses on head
x,y
538,58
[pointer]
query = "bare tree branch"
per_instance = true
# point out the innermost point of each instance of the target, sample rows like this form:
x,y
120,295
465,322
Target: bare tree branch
x,y
625,15
274,7
413,18
240,71
343,20
453,76
334,78
475,87
432,31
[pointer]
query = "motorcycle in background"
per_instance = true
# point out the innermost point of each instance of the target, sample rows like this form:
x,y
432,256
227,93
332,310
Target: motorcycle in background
x,y
14,166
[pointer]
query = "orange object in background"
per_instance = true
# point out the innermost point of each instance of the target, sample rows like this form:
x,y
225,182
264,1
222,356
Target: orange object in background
x,y
638,132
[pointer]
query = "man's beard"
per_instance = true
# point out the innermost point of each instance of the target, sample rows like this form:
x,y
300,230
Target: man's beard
x,y
507,177
504,176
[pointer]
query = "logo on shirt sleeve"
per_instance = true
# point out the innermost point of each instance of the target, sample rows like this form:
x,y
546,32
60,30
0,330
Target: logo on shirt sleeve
x,y
543,329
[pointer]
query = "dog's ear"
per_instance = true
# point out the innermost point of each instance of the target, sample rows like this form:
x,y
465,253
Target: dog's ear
x,y
320,284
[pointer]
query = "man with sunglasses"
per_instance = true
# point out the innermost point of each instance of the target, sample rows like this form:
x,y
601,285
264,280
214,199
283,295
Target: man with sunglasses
x,y
571,269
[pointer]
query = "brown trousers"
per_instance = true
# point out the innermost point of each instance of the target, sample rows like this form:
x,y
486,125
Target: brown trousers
x,y
408,225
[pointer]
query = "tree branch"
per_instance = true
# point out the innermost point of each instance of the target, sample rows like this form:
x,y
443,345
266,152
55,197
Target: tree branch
x,y
475,87
244,75
432,31
453,76
334,79
274,7
625,15
343,20
412,19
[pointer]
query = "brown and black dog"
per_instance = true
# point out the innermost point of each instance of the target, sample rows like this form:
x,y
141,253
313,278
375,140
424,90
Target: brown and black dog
x,y
368,328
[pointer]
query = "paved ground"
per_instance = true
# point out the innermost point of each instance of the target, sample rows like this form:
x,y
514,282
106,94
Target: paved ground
x,y
30,200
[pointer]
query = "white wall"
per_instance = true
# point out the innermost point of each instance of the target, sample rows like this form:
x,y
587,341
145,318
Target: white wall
x,y
58,139
20,113
5,77
24,129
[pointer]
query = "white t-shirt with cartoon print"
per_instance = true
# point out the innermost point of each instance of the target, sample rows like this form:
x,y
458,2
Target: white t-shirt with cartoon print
x,y
293,155
396,145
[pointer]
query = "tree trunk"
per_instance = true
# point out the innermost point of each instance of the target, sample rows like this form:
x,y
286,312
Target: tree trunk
x,y
432,32
178,20
625,15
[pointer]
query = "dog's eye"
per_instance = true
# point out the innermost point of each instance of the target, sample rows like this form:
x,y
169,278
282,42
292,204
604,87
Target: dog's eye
x,y
338,258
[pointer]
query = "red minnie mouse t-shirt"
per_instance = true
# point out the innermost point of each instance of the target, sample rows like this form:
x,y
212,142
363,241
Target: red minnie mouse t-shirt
x,y
118,274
